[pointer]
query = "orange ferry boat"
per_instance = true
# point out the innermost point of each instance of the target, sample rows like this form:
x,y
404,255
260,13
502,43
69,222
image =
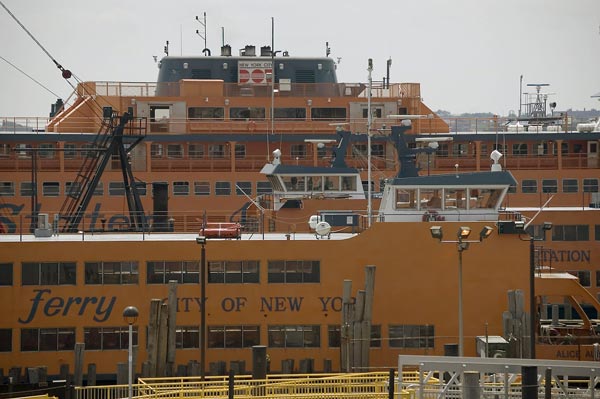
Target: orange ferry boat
x,y
285,291
192,147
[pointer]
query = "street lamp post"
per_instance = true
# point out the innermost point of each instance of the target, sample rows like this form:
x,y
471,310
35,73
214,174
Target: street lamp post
x,y
201,240
520,226
130,314
461,245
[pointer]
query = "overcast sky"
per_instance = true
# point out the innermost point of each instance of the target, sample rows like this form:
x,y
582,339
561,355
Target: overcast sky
x,y
467,54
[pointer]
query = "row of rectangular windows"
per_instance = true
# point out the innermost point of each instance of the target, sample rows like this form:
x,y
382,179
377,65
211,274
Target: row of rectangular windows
x,y
197,151
517,149
203,188
116,188
161,272
178,151
218,337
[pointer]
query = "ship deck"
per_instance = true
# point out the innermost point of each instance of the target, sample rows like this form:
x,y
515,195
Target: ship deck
x,y
136,237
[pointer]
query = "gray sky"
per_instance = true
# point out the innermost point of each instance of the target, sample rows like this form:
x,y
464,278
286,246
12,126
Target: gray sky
x,y
467,54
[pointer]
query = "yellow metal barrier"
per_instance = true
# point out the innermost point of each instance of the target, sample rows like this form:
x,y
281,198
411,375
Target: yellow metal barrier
x,y
297,386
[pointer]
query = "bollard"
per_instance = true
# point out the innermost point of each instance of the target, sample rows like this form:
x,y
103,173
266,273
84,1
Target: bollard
x,y
529,382
471,385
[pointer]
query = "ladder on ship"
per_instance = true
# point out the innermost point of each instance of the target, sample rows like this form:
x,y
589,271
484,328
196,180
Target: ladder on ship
x,y
115,133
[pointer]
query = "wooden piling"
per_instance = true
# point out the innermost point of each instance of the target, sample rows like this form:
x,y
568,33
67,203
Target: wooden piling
x,y
152,336
171,327
161,357
79,352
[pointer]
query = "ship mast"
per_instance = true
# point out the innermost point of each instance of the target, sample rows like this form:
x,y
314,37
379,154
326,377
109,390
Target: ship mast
x,y
369,120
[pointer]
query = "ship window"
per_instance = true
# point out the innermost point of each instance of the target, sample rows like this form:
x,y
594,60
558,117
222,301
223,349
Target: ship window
x,y
163,271
455,199
542,148
174,151
584,276
232,272
5,340
332,183
51,188
6,274
5,150
549,186
519,149
243,188
405,199
206,113
46,151
334,336
196,151
123,272
7,189
233,336
48,273
47,339
460,149
116,188
293,183
580,232
187,337
87,152
263,187
243,113
159,112
240,151
430,198
598,279
590,185
23,150
298,151
99,190
26,189
70,151
411,336
201,188
348,183
484,198
443,150
529,186
376,112
181,188
216,151
294,271
140,187
156,150
512,189
223,188
73,189
333,114
295,336
109,338
570,186
289,113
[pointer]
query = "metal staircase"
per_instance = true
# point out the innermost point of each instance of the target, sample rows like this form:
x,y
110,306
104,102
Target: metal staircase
x,y
116,132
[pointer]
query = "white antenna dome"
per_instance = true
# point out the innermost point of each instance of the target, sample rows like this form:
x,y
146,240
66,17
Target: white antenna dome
x,y
312,221
277,157
495,156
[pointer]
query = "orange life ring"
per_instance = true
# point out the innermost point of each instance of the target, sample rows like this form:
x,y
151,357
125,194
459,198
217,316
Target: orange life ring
x,y
251,126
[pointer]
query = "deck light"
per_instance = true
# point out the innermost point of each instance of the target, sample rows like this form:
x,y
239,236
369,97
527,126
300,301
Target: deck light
x,y
463,233
436,232
130,314
485,233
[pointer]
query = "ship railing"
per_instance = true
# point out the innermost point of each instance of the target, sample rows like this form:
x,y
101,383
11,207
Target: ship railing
x,y
175,89
23,125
